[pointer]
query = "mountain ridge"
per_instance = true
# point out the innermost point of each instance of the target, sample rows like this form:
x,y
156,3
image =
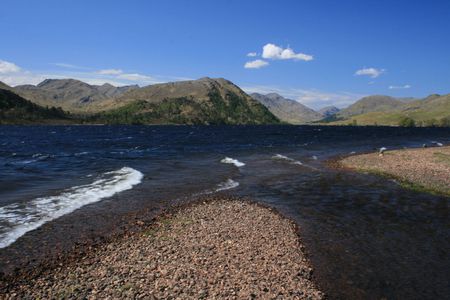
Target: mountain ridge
x,y
287,110
70,94
17,110
433,110
328,111
219,101
202,101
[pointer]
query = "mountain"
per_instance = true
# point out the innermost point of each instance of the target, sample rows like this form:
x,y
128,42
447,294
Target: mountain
x,y
433,110
4,86
70,94
328,111
202,101
17,110
287,110
376,103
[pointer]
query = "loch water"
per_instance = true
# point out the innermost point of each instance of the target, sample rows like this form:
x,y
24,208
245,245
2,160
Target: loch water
x,y
366,236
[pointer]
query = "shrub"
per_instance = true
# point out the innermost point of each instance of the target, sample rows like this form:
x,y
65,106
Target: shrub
x,y
407,122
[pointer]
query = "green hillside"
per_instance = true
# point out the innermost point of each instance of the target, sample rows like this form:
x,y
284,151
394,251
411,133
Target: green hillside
x,y
17,110
431,111
185,110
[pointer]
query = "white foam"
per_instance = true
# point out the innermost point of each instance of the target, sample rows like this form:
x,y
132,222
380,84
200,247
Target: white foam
x,y
437,143
223,186
21,218
81,153
291,160
229,160
314,157
229,184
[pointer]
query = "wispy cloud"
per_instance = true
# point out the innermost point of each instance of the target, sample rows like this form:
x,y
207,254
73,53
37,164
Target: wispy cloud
x,y
252,54
371,72
12,74
255,64
399,87
68,66
272,51
132,77
313,98
109,72
7,67
138,78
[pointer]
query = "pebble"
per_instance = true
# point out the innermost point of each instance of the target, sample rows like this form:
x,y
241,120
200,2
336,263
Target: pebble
x,y
221,248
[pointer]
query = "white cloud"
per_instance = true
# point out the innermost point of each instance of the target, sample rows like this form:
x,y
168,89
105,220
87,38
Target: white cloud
x,y
272,51
252,54
313,98
255,64
372,72
8,67
397,87
20,78
138,78
13,75
109,72
67,66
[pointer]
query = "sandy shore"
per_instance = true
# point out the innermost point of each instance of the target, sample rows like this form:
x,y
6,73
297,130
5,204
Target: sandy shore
x,y
222,248
425,167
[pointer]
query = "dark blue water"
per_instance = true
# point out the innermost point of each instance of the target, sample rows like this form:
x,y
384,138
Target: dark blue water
x,y
367,237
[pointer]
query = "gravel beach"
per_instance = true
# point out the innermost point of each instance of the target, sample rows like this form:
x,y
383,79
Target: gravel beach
x,y
220,248
427,167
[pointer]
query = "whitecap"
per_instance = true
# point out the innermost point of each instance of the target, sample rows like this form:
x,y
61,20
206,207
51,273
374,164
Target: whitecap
x,y
228,160
229,184
21,218
81,153
291,160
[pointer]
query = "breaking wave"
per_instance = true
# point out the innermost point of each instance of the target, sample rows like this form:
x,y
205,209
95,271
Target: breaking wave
x,y
291,160
17,219
229,184
228,160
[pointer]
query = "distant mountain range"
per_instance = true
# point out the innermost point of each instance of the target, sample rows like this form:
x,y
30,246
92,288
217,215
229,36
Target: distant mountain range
x,y
202,101
287,110
70,94
433,110
328,111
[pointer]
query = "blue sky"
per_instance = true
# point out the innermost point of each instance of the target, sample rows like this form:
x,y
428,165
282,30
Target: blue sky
x,y
316,52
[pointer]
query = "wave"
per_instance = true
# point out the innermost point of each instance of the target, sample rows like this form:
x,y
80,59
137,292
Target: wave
x,y
223,186
34,158
291,160
228,160
437,143
229,184
21,218
81,153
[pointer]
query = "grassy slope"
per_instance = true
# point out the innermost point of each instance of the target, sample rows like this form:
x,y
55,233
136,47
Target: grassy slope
x,y
204,101
185,110
420,111
17,110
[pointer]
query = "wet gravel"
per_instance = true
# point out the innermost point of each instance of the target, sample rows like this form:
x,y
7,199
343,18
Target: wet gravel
x,y
222,248
428,167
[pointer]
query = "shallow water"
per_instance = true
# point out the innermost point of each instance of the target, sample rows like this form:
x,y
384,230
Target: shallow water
x,y
367,237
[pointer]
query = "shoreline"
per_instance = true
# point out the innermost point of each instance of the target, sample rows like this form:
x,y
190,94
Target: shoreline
x,y
270,246
418,169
